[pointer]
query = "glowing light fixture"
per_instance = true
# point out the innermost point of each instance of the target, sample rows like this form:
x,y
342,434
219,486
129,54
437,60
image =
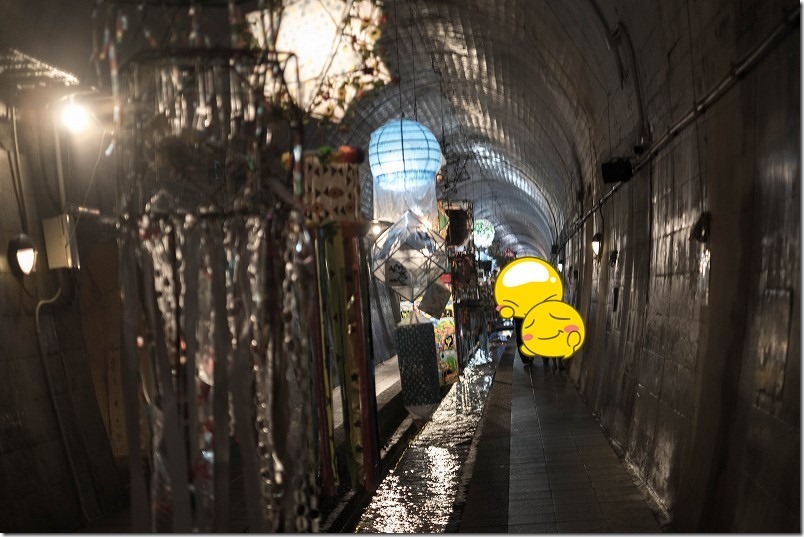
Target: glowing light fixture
x,y
597,242
404,157
560,266
484,233
21,255
375,228
403,153
75,117
334,42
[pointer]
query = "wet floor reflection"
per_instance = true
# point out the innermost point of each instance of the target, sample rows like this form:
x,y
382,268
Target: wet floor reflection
x,y
418,495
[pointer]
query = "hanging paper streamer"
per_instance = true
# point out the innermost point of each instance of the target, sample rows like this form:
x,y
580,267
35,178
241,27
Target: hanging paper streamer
x,y
207,216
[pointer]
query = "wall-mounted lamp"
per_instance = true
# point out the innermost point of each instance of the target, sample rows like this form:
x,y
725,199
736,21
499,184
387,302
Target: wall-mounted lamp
x,y
75,117
21,255
700,230
597,243
560,266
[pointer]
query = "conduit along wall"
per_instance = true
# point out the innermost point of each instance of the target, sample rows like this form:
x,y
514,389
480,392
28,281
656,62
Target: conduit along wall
x,y
225,357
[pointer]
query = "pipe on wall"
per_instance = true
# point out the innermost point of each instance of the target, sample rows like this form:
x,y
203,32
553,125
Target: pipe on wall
x,y
740,69
54,402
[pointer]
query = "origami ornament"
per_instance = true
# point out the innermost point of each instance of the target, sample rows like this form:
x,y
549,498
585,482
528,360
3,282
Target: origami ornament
x,y
408,257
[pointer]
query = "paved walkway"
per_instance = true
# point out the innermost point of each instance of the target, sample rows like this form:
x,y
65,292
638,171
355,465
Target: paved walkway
x,y
519,454
544,465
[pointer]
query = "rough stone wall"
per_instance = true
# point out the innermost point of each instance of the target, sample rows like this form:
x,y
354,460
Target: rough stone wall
x,y
695,370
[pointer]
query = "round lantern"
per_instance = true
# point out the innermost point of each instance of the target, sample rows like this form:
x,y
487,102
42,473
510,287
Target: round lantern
x,y
484,233
404,157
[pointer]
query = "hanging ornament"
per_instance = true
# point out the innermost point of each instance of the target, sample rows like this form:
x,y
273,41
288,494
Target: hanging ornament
x,y
484,233
409,256
335,44
404,156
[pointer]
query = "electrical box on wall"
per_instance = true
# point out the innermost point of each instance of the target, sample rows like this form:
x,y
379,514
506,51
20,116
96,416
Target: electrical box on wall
x,y
60,243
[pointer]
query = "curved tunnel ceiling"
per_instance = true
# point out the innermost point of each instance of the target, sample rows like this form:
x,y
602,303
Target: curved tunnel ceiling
x,y
515,90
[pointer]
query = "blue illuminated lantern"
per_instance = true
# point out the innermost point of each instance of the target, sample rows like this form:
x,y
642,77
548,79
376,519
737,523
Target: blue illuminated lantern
x,y
404,157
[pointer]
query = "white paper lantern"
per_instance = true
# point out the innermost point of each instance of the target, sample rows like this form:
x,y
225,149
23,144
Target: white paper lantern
x,y
484,233
404,157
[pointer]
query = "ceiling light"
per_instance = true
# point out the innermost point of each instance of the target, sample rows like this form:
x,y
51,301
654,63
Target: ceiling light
x,y
375,228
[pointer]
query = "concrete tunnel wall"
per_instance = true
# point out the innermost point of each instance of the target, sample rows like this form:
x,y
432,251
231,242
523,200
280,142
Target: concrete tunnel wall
x,y
695,374
39,480
693,357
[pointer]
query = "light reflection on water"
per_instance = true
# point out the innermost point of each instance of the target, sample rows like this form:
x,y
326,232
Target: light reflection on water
x,y
418,495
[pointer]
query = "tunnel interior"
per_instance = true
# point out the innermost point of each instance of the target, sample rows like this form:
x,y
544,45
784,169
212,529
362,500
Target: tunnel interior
x,y
692,307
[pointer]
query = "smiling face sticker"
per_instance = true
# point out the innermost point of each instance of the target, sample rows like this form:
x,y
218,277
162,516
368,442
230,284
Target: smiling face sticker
x,y
523,283
553,329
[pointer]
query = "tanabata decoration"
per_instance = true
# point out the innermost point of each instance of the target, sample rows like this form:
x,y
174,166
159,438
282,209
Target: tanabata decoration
x,y
408,257
484,233
404,156
332,186
435,299
335,43
418,365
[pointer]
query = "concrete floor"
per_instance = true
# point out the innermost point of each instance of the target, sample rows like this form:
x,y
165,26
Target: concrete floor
x,y
544,465
517,454
538,462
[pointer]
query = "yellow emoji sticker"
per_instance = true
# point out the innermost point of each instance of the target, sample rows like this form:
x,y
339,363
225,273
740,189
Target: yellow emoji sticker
x,y
523,283
553,329
529,288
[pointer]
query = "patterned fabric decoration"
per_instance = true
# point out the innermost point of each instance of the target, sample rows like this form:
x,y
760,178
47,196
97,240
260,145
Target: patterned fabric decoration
x,y
331,191
366,195
418,367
